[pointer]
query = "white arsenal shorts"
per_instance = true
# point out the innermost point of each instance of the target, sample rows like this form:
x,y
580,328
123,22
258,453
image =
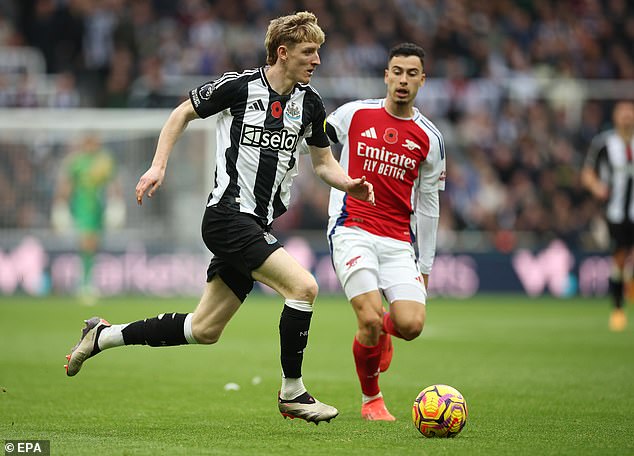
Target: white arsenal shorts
x,y
365,262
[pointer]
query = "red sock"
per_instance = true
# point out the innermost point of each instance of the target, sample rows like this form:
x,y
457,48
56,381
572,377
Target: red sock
x,y
367,360
388,326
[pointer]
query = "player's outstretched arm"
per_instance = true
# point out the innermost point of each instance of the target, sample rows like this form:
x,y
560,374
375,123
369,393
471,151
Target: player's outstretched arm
x,y
173,128
329,170
591,181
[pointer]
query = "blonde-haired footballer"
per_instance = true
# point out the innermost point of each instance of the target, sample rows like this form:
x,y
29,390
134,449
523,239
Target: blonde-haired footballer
x,y
262,114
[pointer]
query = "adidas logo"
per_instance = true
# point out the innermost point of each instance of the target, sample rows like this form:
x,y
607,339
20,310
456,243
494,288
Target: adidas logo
x,y
257,105
369,133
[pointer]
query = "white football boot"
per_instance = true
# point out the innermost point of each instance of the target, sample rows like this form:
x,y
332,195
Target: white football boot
x,y
307,408
87,345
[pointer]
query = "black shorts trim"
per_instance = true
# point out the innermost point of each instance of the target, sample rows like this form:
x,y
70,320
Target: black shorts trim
x,y
622,234
240,243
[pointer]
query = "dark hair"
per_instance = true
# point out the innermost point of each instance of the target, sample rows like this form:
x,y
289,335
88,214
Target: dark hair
x,y
407,49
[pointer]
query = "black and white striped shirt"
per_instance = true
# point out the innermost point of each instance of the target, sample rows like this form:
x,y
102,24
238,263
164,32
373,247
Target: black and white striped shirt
x,y
258,131
613,162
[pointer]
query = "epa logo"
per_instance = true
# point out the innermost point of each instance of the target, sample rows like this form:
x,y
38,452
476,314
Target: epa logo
x,y
253,135
41,447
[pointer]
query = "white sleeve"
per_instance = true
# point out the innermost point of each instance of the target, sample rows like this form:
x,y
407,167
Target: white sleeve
x,y
339,121
427,215
432,176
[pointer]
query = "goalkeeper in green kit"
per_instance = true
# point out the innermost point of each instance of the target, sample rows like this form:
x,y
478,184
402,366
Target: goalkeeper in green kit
x,y
87,176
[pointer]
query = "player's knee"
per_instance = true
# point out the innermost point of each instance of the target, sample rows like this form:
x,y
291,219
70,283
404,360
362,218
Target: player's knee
x,y
411,330
374,324
307,290
206,335
371,323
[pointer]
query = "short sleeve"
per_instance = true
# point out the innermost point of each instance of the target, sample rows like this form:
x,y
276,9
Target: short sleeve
x,y
317,132
215,96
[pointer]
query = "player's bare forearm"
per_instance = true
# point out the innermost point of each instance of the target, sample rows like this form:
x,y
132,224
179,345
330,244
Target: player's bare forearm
x,y
173,128
171,131
329,170
593,184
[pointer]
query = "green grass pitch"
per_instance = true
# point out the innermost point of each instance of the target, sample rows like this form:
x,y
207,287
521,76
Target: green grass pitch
x,y
540,376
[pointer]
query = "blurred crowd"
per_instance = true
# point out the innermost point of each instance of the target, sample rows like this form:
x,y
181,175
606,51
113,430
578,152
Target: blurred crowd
x,y
504,85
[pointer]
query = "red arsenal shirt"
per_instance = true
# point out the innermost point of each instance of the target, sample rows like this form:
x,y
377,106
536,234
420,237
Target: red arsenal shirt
x,y
400,157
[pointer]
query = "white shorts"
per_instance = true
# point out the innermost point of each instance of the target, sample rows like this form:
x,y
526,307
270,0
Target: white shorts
x,y
365,262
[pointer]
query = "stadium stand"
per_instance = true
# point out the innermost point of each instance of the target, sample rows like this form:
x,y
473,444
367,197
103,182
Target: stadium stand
x,y
519,88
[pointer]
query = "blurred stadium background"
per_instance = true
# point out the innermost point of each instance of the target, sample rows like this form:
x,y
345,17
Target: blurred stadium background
x,y
517,87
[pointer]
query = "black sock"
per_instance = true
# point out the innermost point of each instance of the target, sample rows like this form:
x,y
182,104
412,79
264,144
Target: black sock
x,y
294,325
162,331
616,291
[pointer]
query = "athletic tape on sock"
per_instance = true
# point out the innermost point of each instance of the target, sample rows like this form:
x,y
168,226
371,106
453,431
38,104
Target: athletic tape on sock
x,y
187,329
303,306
